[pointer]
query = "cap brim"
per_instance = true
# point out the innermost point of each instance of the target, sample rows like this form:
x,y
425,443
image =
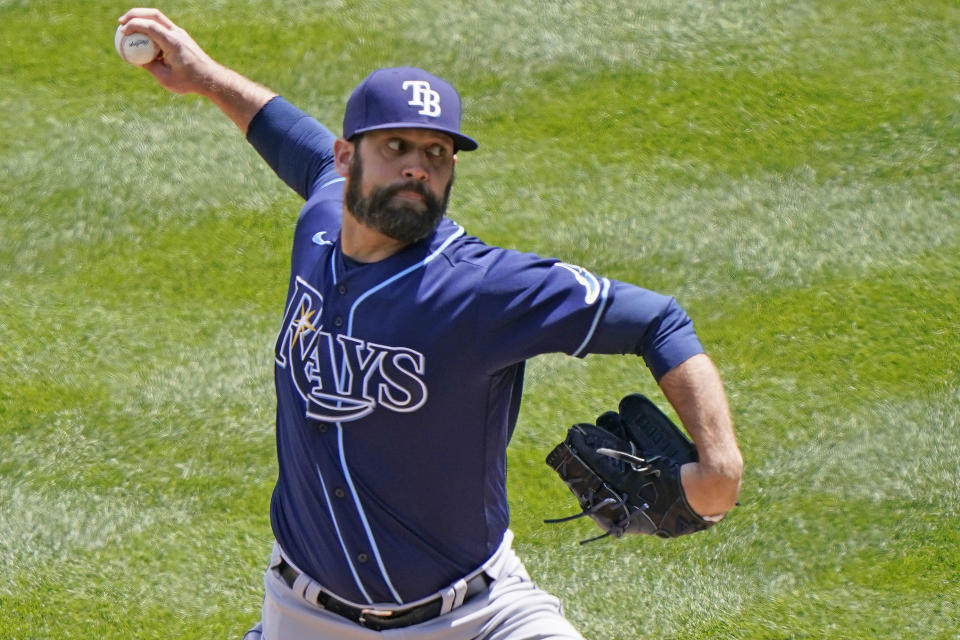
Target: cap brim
x,y
460,141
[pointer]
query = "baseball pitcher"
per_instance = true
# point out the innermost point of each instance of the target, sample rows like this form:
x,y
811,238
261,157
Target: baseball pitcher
x,y
399,363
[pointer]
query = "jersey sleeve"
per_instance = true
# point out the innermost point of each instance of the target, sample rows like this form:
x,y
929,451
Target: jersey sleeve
x,y
648,324
297,147
541,305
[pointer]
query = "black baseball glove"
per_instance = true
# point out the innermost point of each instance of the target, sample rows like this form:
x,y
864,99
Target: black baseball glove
x,y
625,472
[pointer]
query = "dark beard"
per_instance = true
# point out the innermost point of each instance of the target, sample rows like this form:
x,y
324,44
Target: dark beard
x,y
405,222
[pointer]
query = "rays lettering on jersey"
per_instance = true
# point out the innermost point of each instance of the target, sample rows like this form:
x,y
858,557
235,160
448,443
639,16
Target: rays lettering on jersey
x,y
340,377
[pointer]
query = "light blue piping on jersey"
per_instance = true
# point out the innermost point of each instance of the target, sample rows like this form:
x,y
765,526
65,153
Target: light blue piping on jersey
x,y
327,184
363,519
336,527
596,318
343,460
446,243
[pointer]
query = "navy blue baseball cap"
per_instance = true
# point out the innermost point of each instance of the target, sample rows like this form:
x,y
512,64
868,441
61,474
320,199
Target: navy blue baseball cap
x,y
405,97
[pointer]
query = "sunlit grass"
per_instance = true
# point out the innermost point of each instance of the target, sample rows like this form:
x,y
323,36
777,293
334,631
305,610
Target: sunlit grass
x,y
788,170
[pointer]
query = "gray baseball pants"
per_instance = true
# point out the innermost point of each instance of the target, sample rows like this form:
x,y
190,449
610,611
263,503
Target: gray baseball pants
x,y
513,608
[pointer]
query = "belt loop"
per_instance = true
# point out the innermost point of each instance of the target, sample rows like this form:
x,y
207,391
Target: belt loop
x,y
447,597
453,596
275,557
301,584
312,592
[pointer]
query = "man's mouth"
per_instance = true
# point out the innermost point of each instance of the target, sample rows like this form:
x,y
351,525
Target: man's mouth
x,y
407,194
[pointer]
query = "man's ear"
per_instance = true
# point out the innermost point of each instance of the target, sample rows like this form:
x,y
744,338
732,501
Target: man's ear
x,y
343,151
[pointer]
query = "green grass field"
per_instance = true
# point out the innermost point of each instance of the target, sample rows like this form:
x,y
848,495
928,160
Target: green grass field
x,y
790,170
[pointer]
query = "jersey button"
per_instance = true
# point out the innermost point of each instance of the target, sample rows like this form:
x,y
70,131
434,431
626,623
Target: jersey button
x,y
362,558
340,493
342,288
338,321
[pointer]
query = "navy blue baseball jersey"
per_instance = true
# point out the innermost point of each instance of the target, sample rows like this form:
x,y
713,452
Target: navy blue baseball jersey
x,y
399,382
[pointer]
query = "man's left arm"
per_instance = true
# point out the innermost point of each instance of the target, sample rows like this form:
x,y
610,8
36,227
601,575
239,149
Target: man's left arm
x,y
695,390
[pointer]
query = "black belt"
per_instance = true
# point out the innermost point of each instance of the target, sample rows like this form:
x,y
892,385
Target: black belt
x,y
383,619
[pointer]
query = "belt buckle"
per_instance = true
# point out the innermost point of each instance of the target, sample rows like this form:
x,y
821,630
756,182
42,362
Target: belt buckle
x,y
376,616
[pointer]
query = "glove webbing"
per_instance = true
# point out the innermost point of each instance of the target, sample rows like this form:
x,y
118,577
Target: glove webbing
x,y
637,463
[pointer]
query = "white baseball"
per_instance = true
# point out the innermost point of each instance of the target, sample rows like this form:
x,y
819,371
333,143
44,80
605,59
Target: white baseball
x,y
135,48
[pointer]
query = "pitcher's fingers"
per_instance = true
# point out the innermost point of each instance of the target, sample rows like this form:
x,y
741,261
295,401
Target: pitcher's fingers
x,y
166,37
147,14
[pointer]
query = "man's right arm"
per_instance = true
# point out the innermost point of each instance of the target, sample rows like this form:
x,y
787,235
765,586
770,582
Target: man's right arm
x,y
298,148
185,68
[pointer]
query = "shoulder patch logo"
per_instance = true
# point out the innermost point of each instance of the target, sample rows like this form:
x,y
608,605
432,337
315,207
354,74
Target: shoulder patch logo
x,y
318,238
589,281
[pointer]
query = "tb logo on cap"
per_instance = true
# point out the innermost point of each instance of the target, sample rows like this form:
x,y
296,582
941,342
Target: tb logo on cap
x,y
424,97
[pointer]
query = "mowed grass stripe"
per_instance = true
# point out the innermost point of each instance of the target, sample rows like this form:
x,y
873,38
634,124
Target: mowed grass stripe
x,y
840,341
514,37
730,240
137,171
155,588
845,341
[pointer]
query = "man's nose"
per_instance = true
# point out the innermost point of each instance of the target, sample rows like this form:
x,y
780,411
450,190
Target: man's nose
x,y
415,168
415,173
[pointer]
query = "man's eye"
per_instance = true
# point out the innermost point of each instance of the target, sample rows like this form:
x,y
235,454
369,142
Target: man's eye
x,y
395,144
437,151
